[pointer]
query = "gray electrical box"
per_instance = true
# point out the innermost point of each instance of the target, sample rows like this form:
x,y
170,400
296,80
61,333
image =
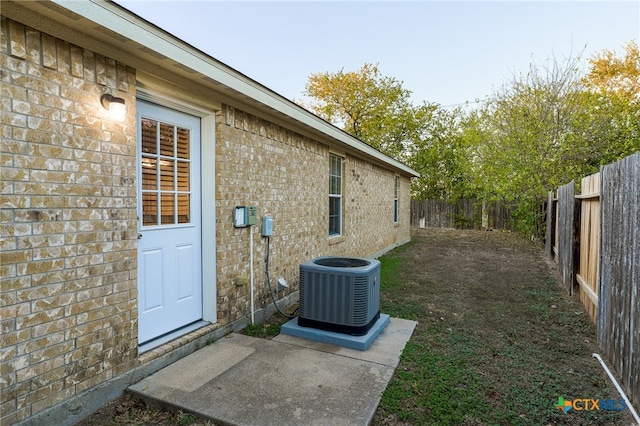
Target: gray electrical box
x,y
252,215
267,226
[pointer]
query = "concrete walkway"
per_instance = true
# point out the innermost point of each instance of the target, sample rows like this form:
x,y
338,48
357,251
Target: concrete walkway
x,y
241,380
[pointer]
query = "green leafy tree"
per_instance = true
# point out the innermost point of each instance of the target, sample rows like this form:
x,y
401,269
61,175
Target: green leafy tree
x,y
542,129
378,110
524,151
442,156
370,106
554,125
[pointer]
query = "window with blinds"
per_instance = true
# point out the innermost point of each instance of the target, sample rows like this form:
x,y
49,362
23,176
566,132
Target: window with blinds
x,y
335,195
166,174
396,191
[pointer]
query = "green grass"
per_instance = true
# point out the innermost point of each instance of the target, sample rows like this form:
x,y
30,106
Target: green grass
x,y
265,331
187,419
480,357
392,279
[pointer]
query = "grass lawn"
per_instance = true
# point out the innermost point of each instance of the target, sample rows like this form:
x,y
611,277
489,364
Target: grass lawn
x,y
497,342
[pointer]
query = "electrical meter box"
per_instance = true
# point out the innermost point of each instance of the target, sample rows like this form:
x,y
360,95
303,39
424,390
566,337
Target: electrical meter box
x,y
252,215
244,216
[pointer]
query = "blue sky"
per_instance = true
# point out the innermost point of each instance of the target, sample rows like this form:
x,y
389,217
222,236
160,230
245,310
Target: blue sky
x,y
445,52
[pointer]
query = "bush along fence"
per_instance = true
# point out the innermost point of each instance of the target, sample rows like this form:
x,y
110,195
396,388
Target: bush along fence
x,y
595,239
460,214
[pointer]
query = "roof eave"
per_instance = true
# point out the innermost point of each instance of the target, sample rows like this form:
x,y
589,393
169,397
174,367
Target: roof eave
x,y
127,25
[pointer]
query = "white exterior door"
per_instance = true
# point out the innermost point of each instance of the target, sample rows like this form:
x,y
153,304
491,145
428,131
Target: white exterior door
x,y
169,221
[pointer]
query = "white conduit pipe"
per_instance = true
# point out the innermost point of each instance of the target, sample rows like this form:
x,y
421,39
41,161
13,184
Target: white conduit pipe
x,y
613,379
251,270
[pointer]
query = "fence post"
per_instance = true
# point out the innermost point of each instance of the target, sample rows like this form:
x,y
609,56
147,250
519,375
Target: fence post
x,y
575,267
550,235
566,227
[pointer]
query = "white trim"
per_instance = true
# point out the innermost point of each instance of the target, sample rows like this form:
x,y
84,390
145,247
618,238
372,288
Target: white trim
x,y
339,196
208,193
157,97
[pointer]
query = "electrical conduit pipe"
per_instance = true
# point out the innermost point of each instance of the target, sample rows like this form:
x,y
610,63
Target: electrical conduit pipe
x,y
251,272
624,396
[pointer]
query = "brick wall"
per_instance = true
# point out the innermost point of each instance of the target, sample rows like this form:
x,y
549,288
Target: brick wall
x,y
286,176
68,300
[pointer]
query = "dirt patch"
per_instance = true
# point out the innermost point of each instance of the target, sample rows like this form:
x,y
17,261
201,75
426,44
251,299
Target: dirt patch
x,y
131,411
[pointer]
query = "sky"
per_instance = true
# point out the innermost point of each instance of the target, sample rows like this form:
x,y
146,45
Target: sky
x,y
445,52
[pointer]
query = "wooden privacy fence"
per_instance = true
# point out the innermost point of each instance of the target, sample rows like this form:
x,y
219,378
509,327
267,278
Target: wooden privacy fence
x,y
595,239
460,214
589,240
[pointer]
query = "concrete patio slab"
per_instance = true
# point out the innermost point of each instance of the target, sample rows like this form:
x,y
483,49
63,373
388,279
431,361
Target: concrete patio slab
x,y
241,380
386,349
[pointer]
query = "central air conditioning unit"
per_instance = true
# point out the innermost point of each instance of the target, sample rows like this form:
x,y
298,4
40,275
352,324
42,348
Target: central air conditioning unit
x,y
340,294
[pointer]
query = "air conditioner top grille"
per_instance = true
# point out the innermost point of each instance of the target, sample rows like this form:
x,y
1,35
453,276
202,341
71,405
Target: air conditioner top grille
x,y
341,262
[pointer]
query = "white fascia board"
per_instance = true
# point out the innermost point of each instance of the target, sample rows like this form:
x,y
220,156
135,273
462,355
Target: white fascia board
x,y
122,22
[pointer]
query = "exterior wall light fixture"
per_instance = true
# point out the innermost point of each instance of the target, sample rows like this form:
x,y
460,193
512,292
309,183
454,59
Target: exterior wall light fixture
x,y
114,105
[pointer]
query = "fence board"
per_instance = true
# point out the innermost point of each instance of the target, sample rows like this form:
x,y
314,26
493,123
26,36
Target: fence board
x,y
555,232
550,235
499,216
565,234
588,270
443,214
619,298
461,214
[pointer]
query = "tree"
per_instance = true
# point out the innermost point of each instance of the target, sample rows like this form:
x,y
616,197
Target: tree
x,y
443,156
526,123
610,74
553,125
613,85
374,108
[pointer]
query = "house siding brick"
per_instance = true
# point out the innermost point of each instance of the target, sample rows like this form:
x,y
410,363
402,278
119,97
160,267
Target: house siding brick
x,y
68,305
286,176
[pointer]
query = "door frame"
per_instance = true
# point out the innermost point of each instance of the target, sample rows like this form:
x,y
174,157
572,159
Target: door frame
x,y
207,191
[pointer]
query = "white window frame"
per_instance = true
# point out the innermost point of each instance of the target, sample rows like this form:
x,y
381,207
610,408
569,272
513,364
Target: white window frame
x,y
396,196
339,196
